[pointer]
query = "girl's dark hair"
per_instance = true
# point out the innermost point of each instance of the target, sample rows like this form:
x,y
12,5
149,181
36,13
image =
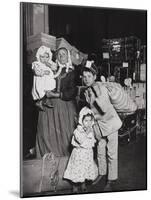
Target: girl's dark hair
x,y
85,69
87,115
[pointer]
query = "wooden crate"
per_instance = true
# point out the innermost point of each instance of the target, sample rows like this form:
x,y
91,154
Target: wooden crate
x,y
61,42
35,41
77,56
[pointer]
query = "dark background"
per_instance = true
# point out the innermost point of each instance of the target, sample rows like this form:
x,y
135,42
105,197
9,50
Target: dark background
x,y
85,27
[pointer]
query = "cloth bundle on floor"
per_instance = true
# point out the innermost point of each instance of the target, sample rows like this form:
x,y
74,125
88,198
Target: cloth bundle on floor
x,y
44,175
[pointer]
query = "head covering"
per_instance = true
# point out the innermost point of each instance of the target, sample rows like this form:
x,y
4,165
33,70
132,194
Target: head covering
x,y
128,82
90,66
103,79
68,65
112,79
84,111
41,51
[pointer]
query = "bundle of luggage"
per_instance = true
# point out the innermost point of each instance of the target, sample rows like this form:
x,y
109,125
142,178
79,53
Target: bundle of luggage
x,y
121,49
44,175
35,41
120,99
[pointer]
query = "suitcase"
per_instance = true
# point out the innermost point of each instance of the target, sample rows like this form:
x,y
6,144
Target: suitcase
x,y
45,175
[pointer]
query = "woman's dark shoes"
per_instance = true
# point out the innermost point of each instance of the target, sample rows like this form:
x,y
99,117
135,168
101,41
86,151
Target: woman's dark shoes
x,y
97,180
75,190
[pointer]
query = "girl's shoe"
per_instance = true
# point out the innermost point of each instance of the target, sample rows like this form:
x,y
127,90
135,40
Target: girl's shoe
x,y
84,188
97,179
75,189
110,186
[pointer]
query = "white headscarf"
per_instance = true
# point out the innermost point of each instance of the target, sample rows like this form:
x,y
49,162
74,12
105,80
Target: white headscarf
x,y
103,79
68,65
84,111
41,51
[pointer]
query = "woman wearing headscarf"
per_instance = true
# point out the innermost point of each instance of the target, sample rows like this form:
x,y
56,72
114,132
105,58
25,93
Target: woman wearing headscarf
x,y
55,125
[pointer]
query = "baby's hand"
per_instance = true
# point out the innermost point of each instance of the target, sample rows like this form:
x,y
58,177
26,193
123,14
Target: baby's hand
x,y
48,64
47,72
79,128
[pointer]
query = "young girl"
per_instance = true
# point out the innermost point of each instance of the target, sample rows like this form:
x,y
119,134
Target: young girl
x,y
44,76
81,165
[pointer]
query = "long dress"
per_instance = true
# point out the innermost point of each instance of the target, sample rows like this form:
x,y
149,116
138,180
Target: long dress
x,y
81,165
56,125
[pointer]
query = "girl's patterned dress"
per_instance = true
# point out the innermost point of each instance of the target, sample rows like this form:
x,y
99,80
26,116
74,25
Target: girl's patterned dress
x,y
81,165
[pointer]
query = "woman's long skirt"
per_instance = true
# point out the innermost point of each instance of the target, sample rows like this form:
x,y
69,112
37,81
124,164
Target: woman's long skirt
x,y
55,128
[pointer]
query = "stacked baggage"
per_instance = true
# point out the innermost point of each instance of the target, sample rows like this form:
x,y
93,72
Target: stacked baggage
x,y
115,49
44,175
124,54
121,49
35,41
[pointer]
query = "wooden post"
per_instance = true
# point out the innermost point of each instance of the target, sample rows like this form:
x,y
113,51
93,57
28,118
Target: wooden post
x,y
40,19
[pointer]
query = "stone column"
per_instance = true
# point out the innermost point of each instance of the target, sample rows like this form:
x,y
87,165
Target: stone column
x,y
37,28
46,19
40,19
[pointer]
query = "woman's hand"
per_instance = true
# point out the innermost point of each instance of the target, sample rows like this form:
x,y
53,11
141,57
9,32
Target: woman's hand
x,y
51,94
48,64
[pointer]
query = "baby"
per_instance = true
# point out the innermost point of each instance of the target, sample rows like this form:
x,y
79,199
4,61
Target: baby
x,y
44,76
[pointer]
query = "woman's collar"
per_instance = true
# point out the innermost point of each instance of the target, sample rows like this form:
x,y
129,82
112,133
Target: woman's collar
x,y
68,66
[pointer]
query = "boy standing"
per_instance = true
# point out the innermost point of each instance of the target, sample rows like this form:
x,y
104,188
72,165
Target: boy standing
x,y
107,122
